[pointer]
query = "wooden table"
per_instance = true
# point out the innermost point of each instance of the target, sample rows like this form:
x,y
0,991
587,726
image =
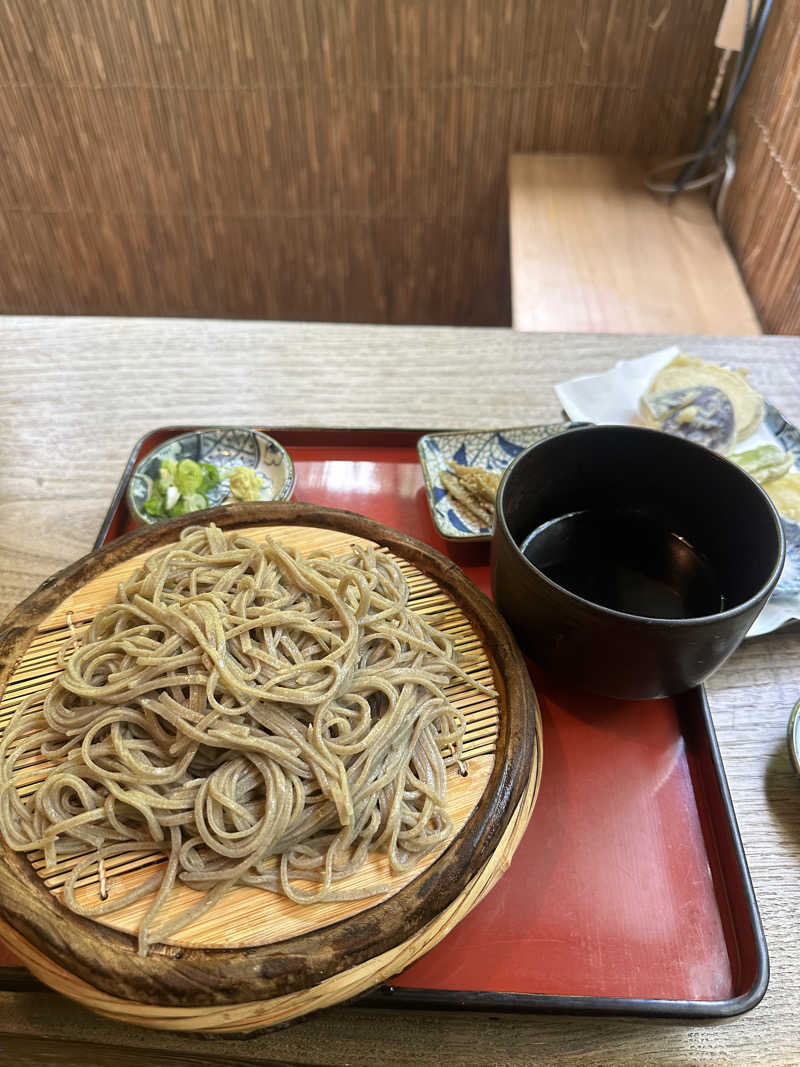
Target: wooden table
x,y
75,394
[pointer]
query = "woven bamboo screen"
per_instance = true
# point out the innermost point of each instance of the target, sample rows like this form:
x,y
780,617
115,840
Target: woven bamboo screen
x,y
311,159
762,214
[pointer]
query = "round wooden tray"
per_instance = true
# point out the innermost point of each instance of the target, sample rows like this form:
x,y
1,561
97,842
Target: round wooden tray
x,y
257,959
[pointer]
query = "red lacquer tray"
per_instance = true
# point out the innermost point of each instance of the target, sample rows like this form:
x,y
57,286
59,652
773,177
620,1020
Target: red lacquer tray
x,y
630,893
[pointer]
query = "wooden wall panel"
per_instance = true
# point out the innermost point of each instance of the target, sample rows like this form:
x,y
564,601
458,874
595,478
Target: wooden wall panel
x,y
314,159
762,211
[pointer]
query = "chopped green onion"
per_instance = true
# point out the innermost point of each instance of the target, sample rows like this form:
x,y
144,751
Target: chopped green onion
x,y
166,475
211,476
188,503
188,476
154,505
181,486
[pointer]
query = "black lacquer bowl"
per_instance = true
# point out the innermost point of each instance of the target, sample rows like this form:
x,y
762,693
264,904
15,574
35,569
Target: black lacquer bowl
x,y
700,496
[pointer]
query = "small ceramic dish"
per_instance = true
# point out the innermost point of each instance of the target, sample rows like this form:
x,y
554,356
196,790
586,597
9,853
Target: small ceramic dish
x,y
492,450
793,736
225,447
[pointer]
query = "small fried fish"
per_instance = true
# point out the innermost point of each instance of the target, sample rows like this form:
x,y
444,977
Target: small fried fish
x,y
481,483
475,509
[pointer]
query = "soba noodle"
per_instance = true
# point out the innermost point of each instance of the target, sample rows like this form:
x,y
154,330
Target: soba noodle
x,y
254,717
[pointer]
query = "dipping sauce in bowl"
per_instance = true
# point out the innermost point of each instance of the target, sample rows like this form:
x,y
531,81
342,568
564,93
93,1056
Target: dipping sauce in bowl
x,y
623,559
630,561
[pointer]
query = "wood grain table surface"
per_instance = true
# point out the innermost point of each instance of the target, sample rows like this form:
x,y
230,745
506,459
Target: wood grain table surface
x,y
75,395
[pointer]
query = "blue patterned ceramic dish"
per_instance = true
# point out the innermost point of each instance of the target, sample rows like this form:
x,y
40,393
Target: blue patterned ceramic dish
x,y
224,446
789,438
491,449
789,583
793,736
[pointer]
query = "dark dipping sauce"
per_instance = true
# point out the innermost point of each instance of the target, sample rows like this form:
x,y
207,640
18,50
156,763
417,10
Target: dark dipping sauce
x,y
626,561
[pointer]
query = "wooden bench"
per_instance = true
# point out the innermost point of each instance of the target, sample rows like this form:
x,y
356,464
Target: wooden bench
x,y
593,250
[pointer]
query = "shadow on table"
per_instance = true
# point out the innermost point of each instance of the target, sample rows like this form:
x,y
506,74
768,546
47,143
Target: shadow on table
x,y
782,790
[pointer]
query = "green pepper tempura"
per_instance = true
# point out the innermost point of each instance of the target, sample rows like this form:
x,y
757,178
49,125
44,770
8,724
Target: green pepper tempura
x,y
764,463
182,485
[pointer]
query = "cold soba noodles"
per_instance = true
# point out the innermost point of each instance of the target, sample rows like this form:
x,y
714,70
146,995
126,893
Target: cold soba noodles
x,y
257,718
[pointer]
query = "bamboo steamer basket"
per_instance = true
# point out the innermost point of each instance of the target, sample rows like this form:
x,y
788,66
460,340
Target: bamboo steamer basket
x,y
257,960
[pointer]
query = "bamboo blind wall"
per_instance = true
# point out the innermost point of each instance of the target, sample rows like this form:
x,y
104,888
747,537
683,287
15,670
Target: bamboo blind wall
x,y
762,214
311,159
